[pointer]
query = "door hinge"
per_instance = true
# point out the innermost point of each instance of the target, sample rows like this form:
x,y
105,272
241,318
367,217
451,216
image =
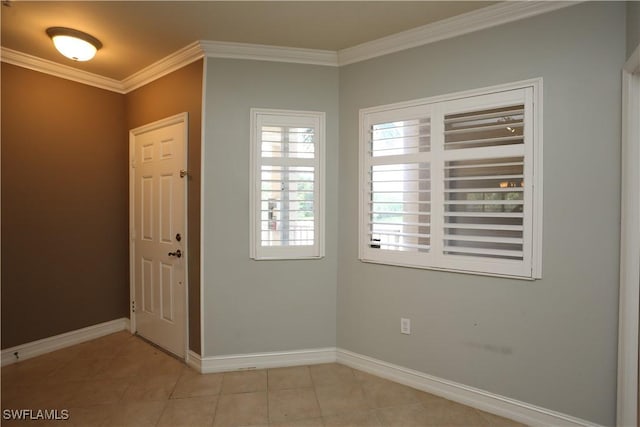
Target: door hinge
x,y
133,164
133,306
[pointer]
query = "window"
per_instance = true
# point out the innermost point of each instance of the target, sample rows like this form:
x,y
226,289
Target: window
x,y
454,182
287,172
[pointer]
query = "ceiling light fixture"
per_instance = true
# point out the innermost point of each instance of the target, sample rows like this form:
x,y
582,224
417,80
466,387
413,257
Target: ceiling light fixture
x,y
74,44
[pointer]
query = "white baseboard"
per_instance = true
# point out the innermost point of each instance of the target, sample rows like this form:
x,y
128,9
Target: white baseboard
x,y
480,399
262,360
47,345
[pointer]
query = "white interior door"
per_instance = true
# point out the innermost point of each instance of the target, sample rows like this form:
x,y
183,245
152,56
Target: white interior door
x,y
158,232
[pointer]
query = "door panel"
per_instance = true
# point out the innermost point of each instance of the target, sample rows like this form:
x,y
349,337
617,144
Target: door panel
x,y
158,217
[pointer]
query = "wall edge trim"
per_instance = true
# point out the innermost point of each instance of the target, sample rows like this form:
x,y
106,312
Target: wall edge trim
x,y
627,387
194,360
278,359
480,399
57,342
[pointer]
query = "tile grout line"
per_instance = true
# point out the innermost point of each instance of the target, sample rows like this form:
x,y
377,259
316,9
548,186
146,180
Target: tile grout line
x,y
169,398
215,411
164,407
268,400
315,393
374,409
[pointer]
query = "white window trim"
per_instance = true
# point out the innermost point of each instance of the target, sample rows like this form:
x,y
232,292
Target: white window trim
x,y
317,251
534,153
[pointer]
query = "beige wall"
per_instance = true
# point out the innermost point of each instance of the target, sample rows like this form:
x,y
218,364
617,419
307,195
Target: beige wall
x,y
64,206
65,210
175,93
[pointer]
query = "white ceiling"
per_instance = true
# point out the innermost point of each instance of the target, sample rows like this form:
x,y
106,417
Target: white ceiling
x,y
136,34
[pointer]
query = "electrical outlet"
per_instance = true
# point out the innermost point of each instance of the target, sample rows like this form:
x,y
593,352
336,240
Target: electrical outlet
x,y
405,326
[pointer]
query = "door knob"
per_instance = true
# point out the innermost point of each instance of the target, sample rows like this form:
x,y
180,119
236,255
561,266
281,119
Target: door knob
x,y
177,254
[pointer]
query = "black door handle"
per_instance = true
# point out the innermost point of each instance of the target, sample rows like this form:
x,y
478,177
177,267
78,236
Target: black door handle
x,y
177,254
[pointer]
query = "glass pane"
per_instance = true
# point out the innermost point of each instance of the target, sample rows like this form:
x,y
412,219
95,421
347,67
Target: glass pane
x,y
400,207
484,128
288,142
287,206
403,137
484,203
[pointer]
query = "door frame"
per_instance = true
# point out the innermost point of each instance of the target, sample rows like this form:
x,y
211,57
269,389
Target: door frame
x,y
172,120
629,307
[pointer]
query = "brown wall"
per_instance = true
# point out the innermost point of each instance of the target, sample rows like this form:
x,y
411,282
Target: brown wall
x,y
175,93
64,206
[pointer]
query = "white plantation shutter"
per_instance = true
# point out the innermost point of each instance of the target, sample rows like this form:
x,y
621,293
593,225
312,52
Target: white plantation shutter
x,y
287,151
449,184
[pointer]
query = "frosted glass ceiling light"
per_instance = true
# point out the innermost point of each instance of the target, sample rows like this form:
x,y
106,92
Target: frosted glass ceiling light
x,y
74,44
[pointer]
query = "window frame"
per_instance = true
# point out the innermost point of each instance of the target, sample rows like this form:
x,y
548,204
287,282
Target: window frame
x,y
277,117
438,107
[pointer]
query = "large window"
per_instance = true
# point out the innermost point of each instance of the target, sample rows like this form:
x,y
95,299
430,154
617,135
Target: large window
x,y
287,167
454,182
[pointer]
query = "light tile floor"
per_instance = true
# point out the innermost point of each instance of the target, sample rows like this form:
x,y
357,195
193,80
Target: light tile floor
x,y
120,380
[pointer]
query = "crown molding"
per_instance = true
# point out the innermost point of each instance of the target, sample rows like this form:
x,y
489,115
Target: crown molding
x,y
34,63
260,52
166,65
480,19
